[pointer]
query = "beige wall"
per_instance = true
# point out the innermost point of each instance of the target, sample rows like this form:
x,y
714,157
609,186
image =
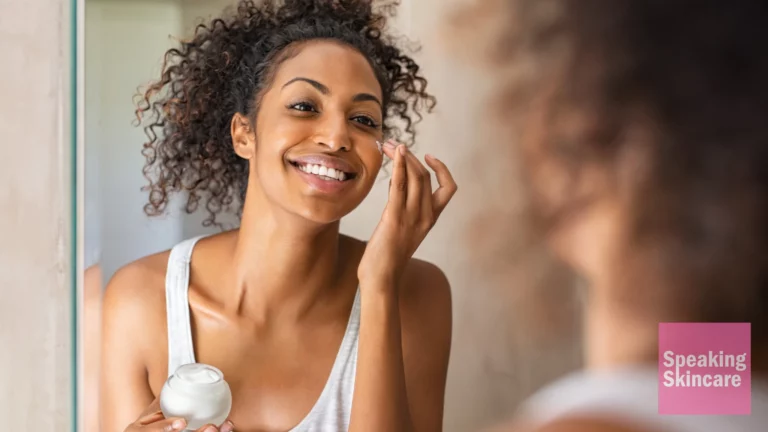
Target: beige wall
x,y
35,326
499,356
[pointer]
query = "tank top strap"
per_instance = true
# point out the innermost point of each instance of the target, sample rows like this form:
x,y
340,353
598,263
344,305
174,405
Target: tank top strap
x,y
180,348
332,410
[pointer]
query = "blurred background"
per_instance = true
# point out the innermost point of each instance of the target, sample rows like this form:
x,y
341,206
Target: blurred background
x,y
508,339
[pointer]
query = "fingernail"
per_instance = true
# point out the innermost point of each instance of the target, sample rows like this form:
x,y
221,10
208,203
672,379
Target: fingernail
x,y
430,156
402,150
390,143
228,427
179,424
210,429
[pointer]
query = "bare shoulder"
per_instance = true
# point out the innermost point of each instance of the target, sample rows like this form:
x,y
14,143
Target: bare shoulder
x,y
134,301
138,282
426,312
578,424
426,318
592,424
425,288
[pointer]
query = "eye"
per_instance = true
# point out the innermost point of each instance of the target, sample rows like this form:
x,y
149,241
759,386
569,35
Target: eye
x,y
303,106
366,121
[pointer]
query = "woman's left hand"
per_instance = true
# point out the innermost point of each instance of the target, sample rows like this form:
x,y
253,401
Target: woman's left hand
x,y
410,214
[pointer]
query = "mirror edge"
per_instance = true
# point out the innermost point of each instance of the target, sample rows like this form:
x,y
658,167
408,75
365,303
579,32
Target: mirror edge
x,y
77,81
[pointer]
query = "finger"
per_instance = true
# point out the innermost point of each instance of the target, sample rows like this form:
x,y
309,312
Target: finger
x,y
399,184
447,186
419,198
419,194
388,149
165,425
416,174
228,426
427,213
208,428
419,190
151,418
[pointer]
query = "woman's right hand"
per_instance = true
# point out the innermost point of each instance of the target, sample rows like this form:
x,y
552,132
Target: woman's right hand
x,y
153,420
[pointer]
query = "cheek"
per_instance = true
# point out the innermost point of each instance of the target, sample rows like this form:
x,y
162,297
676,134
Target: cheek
x,y
271,146
268,162
372,160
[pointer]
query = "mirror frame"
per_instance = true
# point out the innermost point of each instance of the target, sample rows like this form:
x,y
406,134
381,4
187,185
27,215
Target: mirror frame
x,y
77,80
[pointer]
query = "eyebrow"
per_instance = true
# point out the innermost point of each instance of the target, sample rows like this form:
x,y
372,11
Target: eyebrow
x,y
360,97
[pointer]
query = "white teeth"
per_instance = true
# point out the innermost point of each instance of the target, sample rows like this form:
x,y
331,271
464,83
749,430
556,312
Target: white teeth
x,y
324,171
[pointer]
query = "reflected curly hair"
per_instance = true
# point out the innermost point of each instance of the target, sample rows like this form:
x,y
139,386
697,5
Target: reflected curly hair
x,y
678,86
225,68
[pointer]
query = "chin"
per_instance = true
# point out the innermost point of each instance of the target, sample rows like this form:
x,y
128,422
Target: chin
x,y
322,213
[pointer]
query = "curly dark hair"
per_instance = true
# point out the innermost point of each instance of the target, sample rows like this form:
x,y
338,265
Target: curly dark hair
x,y
693,76
224,69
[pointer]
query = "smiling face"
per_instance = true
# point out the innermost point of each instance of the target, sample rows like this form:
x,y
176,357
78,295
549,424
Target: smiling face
x,y
313,151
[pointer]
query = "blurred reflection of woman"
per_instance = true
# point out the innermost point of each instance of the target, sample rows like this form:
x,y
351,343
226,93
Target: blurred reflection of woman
x,y
91,316
92,296
282,107
642,126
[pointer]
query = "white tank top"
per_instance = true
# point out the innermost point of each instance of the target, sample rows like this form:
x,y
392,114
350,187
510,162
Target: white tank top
x,y
631,394
332,410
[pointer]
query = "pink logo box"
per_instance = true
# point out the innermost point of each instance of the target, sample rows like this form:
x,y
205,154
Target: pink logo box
x,y
704,368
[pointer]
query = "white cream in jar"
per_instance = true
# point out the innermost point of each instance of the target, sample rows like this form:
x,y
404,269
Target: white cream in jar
x,y
198,393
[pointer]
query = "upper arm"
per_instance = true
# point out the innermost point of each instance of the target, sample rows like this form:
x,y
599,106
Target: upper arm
x,y
91,330
126,325
427,325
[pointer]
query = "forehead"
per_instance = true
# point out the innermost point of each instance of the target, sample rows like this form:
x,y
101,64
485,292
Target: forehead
x,y
341,68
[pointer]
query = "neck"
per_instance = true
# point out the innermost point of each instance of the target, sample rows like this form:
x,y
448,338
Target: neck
x,y
281,263
617,337
618,331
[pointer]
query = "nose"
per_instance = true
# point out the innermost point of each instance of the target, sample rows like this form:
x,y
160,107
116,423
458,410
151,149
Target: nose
x,y
334,132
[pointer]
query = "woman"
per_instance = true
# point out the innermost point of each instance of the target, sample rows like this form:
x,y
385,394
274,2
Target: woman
x,y
641,125
282,107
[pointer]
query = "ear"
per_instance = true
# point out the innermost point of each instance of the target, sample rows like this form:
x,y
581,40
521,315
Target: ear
x,y
243,137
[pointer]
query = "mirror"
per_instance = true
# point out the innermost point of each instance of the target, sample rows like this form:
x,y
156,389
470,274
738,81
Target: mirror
x,y
258,251
125,42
